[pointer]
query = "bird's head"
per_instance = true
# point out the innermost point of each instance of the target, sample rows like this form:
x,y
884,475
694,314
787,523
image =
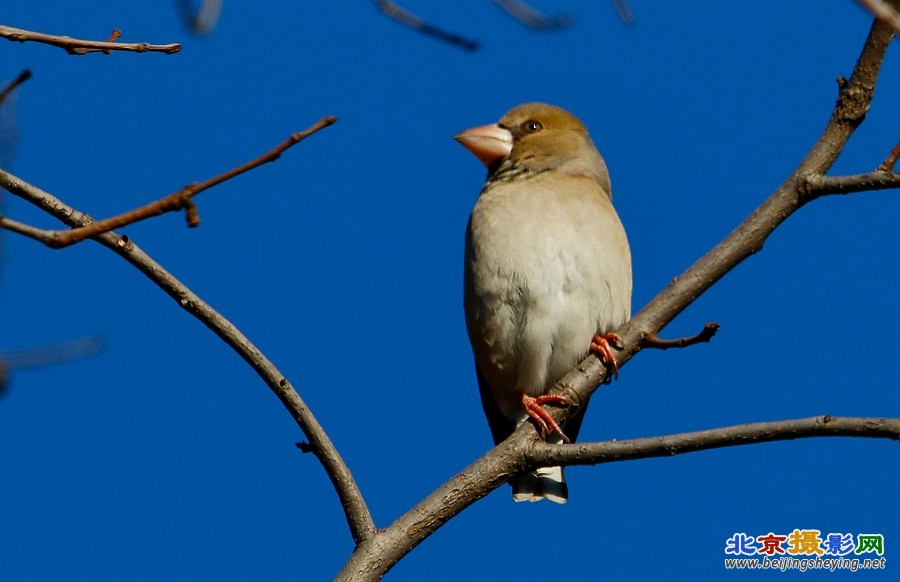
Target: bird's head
x,y
536,137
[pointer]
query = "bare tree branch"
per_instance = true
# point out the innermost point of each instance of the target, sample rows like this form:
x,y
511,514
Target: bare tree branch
x,y
75,46
704,336
373,558
544,454
396,12
357,514
888,164
21,78
817,185
178,200
528,16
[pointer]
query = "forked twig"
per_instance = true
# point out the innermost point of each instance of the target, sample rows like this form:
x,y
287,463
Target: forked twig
x,y
75,46
179,200
359,519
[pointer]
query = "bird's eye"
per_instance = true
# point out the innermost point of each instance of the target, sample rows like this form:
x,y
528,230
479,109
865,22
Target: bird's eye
x,y
532,126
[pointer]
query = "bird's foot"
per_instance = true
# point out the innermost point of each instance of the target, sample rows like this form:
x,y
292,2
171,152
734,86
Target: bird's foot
x,y
533,407
600,345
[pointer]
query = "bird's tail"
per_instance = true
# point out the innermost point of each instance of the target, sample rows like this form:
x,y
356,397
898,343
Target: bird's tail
x,y
544,483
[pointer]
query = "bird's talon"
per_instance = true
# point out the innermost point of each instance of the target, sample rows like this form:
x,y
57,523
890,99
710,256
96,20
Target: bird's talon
x,y
551,399
600,345
533,408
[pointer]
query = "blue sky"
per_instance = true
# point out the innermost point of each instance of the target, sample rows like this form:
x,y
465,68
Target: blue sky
x,y
164,457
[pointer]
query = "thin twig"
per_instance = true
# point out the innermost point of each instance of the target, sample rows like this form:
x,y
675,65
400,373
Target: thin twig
x,y
51,354
23,229
75,46
399,14
544,454
45,356
113,37
888,164
654,341
23,76
529,16
178,200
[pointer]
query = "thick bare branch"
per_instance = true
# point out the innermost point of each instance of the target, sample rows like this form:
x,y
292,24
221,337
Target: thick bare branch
x,y
358,517
374,558
545,454
75,46
178,200
399,14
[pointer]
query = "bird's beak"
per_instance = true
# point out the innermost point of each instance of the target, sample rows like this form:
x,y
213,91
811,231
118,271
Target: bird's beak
x,y
489,143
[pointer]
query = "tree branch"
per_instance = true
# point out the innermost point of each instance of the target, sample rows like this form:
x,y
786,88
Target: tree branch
x,y
888,164
21,78
528,16
544,454
51,354
704,336
852,104
357,514
46,356
373,558
178,200
818,185
399,14
75,46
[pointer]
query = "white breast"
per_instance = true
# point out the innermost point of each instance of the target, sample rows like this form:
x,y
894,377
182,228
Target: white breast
x,y
545,271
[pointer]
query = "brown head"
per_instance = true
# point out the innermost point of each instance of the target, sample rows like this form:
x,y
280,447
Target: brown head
x,y
535,137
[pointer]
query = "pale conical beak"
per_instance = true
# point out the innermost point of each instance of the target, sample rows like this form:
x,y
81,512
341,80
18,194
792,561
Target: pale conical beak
x,y
488,143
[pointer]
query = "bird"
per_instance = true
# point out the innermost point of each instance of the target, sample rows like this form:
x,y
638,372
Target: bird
x,y
547,274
